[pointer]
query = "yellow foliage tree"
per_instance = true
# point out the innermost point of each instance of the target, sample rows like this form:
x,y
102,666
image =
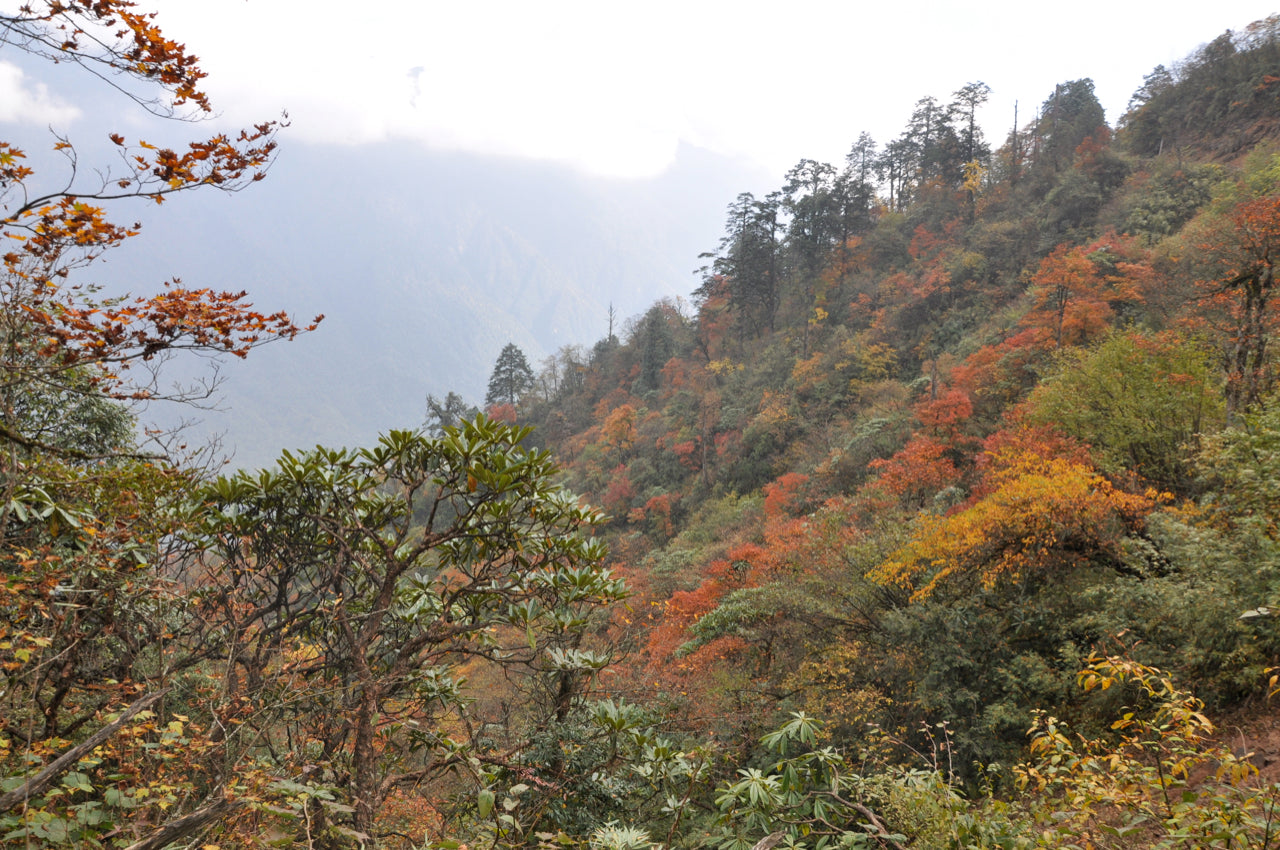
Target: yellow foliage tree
x,y
1034,514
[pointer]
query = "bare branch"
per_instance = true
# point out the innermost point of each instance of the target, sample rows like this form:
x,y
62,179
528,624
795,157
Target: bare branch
x,y
187,824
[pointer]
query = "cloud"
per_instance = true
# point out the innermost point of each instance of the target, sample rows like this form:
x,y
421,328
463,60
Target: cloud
x,y
613,87
24,101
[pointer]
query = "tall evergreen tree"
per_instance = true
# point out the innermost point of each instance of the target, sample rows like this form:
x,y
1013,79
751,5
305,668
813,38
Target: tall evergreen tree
x,y
748,262
1070,115
855,191
809,196
656,347
965,107
512,377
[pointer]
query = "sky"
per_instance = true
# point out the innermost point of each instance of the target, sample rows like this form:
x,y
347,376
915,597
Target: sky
x,y
613,88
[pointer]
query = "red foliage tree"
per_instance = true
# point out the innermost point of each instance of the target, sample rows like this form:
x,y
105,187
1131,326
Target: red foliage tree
x,y
689,453
914,474
1069,300
504,413
782,495
617,497
658,512
681,611
999,374
944,414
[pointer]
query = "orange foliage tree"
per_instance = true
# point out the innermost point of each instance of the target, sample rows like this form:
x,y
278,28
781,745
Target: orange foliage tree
x,y
1243,248
55,333
618,433
1076,289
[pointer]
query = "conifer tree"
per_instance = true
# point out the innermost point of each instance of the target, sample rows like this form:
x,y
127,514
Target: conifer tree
x,y
512,377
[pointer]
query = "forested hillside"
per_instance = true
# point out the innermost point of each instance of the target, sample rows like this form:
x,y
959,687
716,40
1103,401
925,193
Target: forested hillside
x,y
944,517
949,420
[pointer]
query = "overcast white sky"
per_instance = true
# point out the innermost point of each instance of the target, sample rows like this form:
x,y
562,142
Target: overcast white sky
x,y
613,87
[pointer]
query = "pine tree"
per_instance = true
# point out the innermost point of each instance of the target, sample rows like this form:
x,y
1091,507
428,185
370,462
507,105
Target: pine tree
x,y
512,377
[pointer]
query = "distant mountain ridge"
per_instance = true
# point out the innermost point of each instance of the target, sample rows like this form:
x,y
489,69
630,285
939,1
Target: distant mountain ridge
x,y
425,264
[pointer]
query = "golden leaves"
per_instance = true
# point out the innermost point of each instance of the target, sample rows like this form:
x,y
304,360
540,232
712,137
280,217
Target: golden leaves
x,y
1036,513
